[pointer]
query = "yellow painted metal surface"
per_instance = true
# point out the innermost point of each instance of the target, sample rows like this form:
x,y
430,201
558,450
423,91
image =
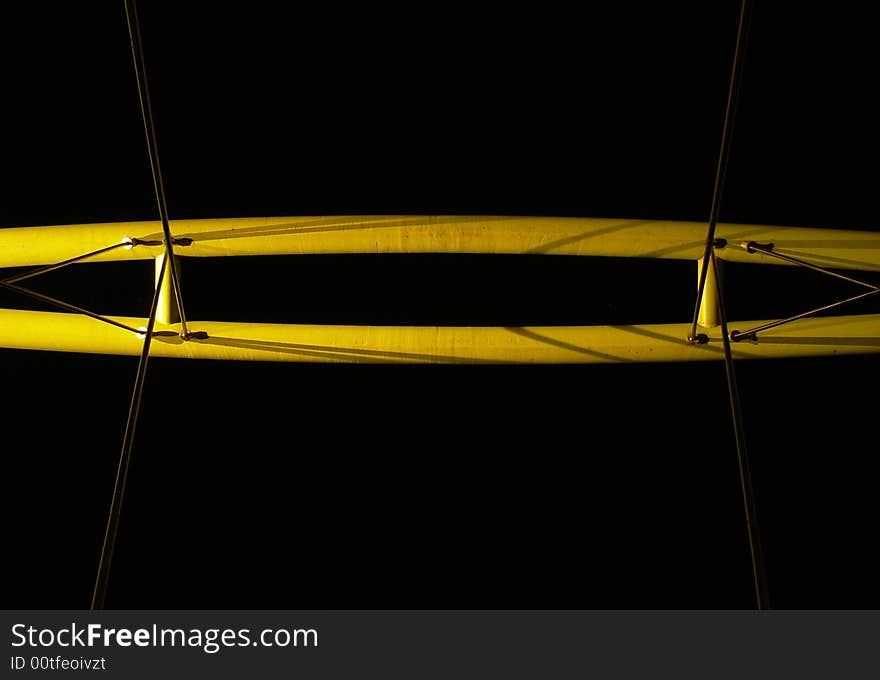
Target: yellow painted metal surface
x,y
437,345
33,246
710,312
439,234
166,308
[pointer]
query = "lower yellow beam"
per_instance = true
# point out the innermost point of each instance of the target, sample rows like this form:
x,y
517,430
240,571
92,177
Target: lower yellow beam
x,y
61,332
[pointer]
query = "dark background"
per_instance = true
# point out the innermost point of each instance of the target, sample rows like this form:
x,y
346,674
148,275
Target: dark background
x,y
291,486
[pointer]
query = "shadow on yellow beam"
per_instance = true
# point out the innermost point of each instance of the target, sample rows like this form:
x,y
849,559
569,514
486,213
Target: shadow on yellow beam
x,y
823,336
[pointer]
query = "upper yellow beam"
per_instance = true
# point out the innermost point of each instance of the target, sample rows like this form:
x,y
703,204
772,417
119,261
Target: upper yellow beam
x,y
843,249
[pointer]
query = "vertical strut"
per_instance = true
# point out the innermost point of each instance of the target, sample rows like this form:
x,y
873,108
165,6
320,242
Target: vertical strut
x,y
709,315
166,312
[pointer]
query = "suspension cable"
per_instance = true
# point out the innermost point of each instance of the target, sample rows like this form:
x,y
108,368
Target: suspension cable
x,y
759,573
721,169
112,528
137,54
709,256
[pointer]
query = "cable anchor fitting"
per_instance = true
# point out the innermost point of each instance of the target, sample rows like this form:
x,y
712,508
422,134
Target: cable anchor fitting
x,y
755,247
130,242
739,336
698,339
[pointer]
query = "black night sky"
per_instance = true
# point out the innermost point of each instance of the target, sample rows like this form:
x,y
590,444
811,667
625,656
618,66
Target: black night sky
x,y
318,486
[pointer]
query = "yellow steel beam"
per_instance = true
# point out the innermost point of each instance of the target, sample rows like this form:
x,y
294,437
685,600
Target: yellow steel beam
x,y
841,249
824,336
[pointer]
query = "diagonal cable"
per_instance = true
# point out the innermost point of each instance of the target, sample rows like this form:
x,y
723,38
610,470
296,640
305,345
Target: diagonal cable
x,y
751,333
768,250
137,54
723,154
65,305
79,258
758,571
10,282
112,528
